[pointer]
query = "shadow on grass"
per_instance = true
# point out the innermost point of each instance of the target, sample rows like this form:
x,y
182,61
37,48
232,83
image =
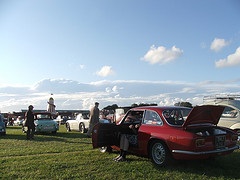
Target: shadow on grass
x,y
49,138
225,167
13,133
220,168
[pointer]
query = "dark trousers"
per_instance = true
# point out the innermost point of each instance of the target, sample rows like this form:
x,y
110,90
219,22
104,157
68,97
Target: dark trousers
x,y
30,132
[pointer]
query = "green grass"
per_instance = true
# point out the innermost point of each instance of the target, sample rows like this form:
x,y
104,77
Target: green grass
x,y
69,155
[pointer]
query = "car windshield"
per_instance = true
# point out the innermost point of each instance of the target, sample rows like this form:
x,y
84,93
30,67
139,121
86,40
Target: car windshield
x,y
176,116
133,117
85,116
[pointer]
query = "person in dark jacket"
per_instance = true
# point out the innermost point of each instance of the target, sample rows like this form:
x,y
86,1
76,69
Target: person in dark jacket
x,y
29,123
94,118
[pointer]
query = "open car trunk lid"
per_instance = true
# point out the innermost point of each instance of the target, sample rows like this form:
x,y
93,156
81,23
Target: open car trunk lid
x,y
204,114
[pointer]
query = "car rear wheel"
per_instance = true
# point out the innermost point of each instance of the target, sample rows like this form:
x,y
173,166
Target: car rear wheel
x,y
159,153
68,127
24,129
82,128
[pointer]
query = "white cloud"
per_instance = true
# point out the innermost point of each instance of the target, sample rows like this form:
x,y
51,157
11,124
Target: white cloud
x,y
231,60
218,44
115,89
82,66
108,89
105,71
74,95
162,55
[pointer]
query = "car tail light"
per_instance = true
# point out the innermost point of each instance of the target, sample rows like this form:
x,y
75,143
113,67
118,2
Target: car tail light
x,y
200,142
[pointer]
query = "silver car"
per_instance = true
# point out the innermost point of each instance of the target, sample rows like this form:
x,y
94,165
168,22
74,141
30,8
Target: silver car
x,y
231,115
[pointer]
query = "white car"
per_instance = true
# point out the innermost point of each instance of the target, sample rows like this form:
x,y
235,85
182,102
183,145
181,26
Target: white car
x,y
18,121
231,115
80,123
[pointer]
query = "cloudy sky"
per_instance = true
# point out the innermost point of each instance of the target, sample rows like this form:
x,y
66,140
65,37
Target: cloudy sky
x,y
117,52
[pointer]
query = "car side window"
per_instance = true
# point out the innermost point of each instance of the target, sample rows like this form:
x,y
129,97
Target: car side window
x,y
229,112
151,117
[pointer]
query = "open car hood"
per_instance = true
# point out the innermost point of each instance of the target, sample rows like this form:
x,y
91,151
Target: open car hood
x,y
204,114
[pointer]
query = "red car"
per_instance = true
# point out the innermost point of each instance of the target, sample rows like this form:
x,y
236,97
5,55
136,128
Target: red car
x,y
171,132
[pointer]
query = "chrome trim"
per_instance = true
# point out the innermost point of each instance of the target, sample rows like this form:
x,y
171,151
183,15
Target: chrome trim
x,y
226,149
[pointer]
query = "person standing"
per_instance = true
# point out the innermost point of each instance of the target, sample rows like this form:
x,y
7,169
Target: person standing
x,y
94,118
29,116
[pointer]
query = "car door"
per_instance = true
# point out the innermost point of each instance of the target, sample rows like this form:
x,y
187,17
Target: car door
x,y
75,123
104,134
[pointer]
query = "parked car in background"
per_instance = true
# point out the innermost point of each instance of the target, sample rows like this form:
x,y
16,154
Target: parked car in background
x,y
119,113
167,133
231,114
44,123
18,121
2,126
79,123
62,119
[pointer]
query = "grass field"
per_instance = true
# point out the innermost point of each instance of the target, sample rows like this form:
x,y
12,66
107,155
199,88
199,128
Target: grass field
x,y
69,155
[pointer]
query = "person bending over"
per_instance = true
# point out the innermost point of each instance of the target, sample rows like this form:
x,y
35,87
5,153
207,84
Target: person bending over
x,y
125,141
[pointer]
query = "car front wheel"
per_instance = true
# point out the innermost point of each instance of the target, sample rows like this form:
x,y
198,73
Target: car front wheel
x,y
238,132
104,149
159,153
82,128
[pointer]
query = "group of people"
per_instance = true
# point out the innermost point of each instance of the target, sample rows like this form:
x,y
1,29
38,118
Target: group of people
x,y
125,139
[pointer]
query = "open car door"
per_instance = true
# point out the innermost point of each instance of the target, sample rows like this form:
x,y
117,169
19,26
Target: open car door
x,y
104,134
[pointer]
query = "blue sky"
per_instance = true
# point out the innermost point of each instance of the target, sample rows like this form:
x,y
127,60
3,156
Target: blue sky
x,y
92,42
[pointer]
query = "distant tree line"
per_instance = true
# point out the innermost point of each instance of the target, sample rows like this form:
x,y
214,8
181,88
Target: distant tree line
x,y
111,108
184,104
115,106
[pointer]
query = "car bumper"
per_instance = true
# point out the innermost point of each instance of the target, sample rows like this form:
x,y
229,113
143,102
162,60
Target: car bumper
x,y
216,151
45,129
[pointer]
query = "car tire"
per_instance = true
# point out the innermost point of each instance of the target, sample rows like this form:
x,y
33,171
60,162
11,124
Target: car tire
x,y
105,149
238,132
68,127
24,129
159,153
82,128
